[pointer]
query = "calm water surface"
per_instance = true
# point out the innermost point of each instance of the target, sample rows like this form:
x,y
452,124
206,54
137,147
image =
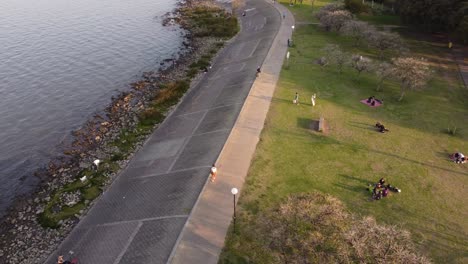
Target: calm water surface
x,y
60,62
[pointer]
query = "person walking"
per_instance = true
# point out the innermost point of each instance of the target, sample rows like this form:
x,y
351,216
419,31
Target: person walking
x,y
296,99
213,173
313,99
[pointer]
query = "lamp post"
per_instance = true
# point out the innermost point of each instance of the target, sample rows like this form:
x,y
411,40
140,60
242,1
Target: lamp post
x,y
234,191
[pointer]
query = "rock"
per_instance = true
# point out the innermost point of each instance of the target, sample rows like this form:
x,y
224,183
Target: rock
x,y
47,199
37,200
29,209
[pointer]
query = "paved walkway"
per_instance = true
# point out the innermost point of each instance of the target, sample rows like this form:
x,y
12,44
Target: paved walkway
x,y
140,217
203,237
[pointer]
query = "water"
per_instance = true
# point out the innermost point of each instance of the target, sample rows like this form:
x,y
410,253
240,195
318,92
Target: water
x,y
60,62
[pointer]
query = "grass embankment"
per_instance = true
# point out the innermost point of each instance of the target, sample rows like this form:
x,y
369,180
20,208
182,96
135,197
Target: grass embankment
x,y
203,21
291,158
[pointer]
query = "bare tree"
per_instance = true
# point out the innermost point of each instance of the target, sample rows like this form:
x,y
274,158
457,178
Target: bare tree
x,y
298,228
355,29
333,21
412,73
327,9
336,56
316,228
237,5
382,244
360,63
383,41
384,72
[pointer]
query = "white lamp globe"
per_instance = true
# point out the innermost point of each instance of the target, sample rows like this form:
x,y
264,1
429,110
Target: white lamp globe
x,y
234,191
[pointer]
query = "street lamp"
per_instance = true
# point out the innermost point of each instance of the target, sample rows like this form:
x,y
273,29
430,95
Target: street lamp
x,y
234,191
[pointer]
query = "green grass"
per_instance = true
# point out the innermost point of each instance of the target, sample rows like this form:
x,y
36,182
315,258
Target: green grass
x,y
380,19
413,156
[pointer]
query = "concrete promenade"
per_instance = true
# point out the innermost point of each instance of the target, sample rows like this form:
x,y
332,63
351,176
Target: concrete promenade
x,y
203,237
156,198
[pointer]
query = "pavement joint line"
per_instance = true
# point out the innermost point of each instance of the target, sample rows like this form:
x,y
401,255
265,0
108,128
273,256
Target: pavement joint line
x,y
255,47
129,241
210,132
141,220
179,152
174,171
208,109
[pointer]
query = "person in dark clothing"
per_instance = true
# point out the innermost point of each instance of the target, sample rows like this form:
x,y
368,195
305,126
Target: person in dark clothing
x,y
381,127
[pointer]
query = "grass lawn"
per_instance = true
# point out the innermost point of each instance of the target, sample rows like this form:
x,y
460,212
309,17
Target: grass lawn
x,y
413,156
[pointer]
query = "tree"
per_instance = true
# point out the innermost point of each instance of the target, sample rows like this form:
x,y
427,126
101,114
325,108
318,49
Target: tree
x,y
412,73
382,244
360,63
333,21
336,56
432,15
383,41
355,29
316,228
237,5
303,228
328,9
355,6
383,71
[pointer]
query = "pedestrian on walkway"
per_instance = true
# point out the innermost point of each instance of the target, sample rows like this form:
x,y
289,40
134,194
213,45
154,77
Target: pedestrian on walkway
x,y
284,15
313,99
213,173
450,44
296,99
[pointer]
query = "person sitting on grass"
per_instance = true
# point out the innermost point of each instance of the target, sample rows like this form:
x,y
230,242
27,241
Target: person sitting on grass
x,y
385,192
381,127
459,157
382,181
370,99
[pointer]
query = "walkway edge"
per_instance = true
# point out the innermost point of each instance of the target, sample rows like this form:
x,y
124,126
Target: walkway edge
x,y
202,238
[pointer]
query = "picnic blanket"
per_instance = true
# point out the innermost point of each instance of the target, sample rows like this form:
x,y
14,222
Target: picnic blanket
x,y
377,103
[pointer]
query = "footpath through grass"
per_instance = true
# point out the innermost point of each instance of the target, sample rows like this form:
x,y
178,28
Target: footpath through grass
x,y
291,158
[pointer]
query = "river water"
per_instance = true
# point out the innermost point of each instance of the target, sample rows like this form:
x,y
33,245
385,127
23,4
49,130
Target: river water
x,y
61,61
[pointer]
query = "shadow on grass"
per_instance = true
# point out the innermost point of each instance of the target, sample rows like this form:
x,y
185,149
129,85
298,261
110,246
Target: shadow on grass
x,y
362,125
307,123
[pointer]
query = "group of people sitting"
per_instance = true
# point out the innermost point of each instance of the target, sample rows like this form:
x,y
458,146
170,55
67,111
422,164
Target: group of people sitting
x,y
372,100
381,128
459,158
380,189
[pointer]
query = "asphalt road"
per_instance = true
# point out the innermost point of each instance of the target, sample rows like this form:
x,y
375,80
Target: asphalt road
x,y
139,218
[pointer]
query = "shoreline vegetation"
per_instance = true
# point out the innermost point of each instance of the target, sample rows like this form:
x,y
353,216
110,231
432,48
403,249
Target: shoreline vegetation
x,y
35,225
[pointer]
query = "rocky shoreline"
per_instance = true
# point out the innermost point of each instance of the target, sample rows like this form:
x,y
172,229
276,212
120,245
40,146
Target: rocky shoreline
x,y
23,237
